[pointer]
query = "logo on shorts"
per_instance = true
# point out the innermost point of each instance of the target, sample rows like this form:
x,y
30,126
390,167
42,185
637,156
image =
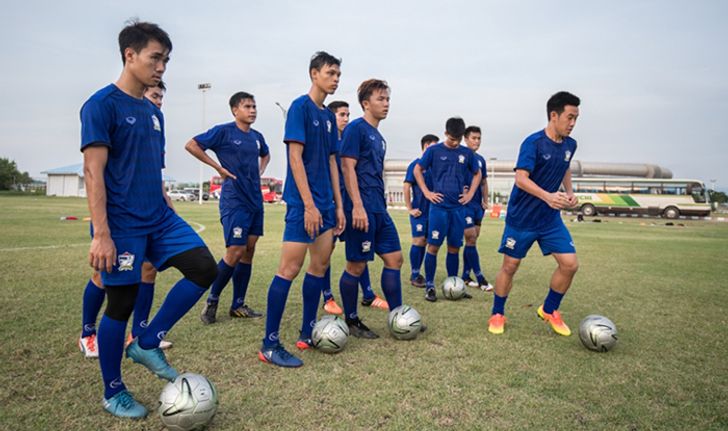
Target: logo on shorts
x,y
161,335
130,120
237,232
567,156
156,124
115,383
315,123
461,159
419,227
328,127
126,261
546,156
510,243
366,246
469,220
435,234
237,141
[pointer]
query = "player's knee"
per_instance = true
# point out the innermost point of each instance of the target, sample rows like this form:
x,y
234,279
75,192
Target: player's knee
x,y
120,301
289,270
248,253
149,273
432,248
570,266
471,240
419,241
197,265
510,267
233,254
355,268
451,249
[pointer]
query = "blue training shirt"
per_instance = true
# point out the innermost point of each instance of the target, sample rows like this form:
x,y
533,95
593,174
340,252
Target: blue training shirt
x,y
363,142
419,200
449,168
238,152
547,163
315,129
133,130
477,201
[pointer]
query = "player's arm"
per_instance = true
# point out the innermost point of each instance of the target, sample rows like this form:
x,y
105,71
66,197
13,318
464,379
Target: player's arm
x,y
407,189
167,198
359,217
194,148
474,184
557,200
420,178
569,189
338,200
102,253
312,219
484,192
264,163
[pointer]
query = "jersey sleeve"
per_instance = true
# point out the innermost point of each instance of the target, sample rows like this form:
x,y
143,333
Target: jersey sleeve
x,y
526,156
334,135
409,177
473,164
264,150
426,159
210,139
350,143
96,123
164,141
295,130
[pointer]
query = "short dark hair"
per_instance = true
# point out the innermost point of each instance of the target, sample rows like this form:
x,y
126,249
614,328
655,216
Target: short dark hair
x,y
472,129
428,138
321,59
367,87
335,105
136,35
559,101
455,127
238,97
161,86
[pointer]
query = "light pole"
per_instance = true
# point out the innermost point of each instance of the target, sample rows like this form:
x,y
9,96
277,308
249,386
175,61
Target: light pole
x,y
285,112
492,183
203,87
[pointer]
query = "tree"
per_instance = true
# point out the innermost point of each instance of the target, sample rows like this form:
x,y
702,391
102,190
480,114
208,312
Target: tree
x,y
10,175
718,197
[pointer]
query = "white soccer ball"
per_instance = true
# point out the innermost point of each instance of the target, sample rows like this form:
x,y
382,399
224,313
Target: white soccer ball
x,y
188,403
598,333
453,288
404,322
330,334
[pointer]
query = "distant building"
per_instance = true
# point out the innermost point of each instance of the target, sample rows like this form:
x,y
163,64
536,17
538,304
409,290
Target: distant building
x,y
68,181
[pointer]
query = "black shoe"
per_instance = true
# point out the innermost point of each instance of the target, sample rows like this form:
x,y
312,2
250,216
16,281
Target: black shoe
x,y
367,302
209,313
430,295
245,311
466,295
423,327
418,281
358,329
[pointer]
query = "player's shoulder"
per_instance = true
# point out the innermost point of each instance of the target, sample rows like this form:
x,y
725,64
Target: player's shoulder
x,y
535,137
413,163
102,97
358,123
256,133
301,101
570,141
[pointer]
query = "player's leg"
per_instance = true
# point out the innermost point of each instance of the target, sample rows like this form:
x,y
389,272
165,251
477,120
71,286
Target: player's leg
x,y
93,299
313,282
416,256
437,230
241,280
475,261
369,298
557,241
455,232
359,251
330,306
470,239
388,247
143,304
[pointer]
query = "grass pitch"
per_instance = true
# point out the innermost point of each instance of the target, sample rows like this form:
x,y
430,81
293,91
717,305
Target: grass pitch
x,y
665,288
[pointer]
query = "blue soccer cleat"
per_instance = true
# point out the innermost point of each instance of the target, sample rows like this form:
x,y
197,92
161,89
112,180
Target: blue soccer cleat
x,y
153,359
124,405
278,355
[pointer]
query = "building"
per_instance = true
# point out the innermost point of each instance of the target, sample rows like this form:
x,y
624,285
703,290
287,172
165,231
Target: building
x,y
68,181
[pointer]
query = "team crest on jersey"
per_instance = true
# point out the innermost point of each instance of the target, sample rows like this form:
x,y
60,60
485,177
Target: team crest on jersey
x,y
510,243
126,261
567,156
131,120
419,227
435,234
315,123
237,141
328,126
237,232
546,156
366,246
155,122
461,159
469,220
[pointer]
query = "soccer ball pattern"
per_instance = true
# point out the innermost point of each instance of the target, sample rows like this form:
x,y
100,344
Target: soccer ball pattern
x,y
404,322
330,334
598,333
453,288
188,403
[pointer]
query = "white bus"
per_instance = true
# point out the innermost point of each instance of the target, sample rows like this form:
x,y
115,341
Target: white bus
x,y
656,197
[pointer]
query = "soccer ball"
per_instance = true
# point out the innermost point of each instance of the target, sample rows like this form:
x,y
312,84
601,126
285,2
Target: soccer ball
x,y
188,403
453,288
330,334
404,322
598,333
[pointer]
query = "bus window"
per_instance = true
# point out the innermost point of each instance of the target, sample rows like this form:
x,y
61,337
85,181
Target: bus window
x,y
674,189
588,187
647,188
699,195
617,187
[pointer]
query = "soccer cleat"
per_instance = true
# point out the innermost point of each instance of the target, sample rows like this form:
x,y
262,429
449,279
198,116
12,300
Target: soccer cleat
x,y
554,319
470,282
88,346
124,405
358,329
486,287
245,312
332,307
466,295
375,302
430,294
128,341
164,344
496,323
153,359
304,344
418,281
278,355
209,313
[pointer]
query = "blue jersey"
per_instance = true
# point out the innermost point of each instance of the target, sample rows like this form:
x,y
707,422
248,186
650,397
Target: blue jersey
x,y
547,163
238,152
315,129
133,131
363,142
337,150
419,201
477,201
450,169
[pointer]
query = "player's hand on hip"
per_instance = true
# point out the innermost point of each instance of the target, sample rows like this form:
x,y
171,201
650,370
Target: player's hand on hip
x,y
415,212
434,197
360,219
340,221
465,198
225,174
312,221
102,254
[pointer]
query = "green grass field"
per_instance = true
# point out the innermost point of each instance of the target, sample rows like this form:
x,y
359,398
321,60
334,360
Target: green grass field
x,y
666,288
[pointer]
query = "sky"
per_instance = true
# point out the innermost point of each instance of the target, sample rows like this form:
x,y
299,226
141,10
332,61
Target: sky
x,y
651,74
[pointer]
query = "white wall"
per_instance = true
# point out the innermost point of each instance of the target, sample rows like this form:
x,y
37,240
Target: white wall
x,y
65,185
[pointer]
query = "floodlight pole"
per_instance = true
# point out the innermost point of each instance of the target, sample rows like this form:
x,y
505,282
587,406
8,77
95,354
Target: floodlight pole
x,y
283,110
203,87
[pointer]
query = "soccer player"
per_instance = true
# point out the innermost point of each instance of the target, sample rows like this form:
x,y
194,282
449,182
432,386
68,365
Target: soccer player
x,y
122,139
418,208
474,211
450,165
369,298
243,156
534,212
370,228
313,207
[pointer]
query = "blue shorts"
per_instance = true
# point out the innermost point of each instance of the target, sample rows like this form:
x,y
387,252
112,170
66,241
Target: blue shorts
x,y
473,216
418,225
238,223
448,223
556,239
381,238
295,230
173,237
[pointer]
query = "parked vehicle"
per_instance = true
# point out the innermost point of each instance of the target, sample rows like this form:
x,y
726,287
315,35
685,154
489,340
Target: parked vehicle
x,y
179,195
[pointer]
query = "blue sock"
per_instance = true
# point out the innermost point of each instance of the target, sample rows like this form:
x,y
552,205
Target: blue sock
x,y
178,302
311,294
93,299
326,286
142,307
392,287
366,285
499,304
467,266
277,296
417,254
224,273
241,279
110,343
452,262
552,301
430,268
349,292
471,254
